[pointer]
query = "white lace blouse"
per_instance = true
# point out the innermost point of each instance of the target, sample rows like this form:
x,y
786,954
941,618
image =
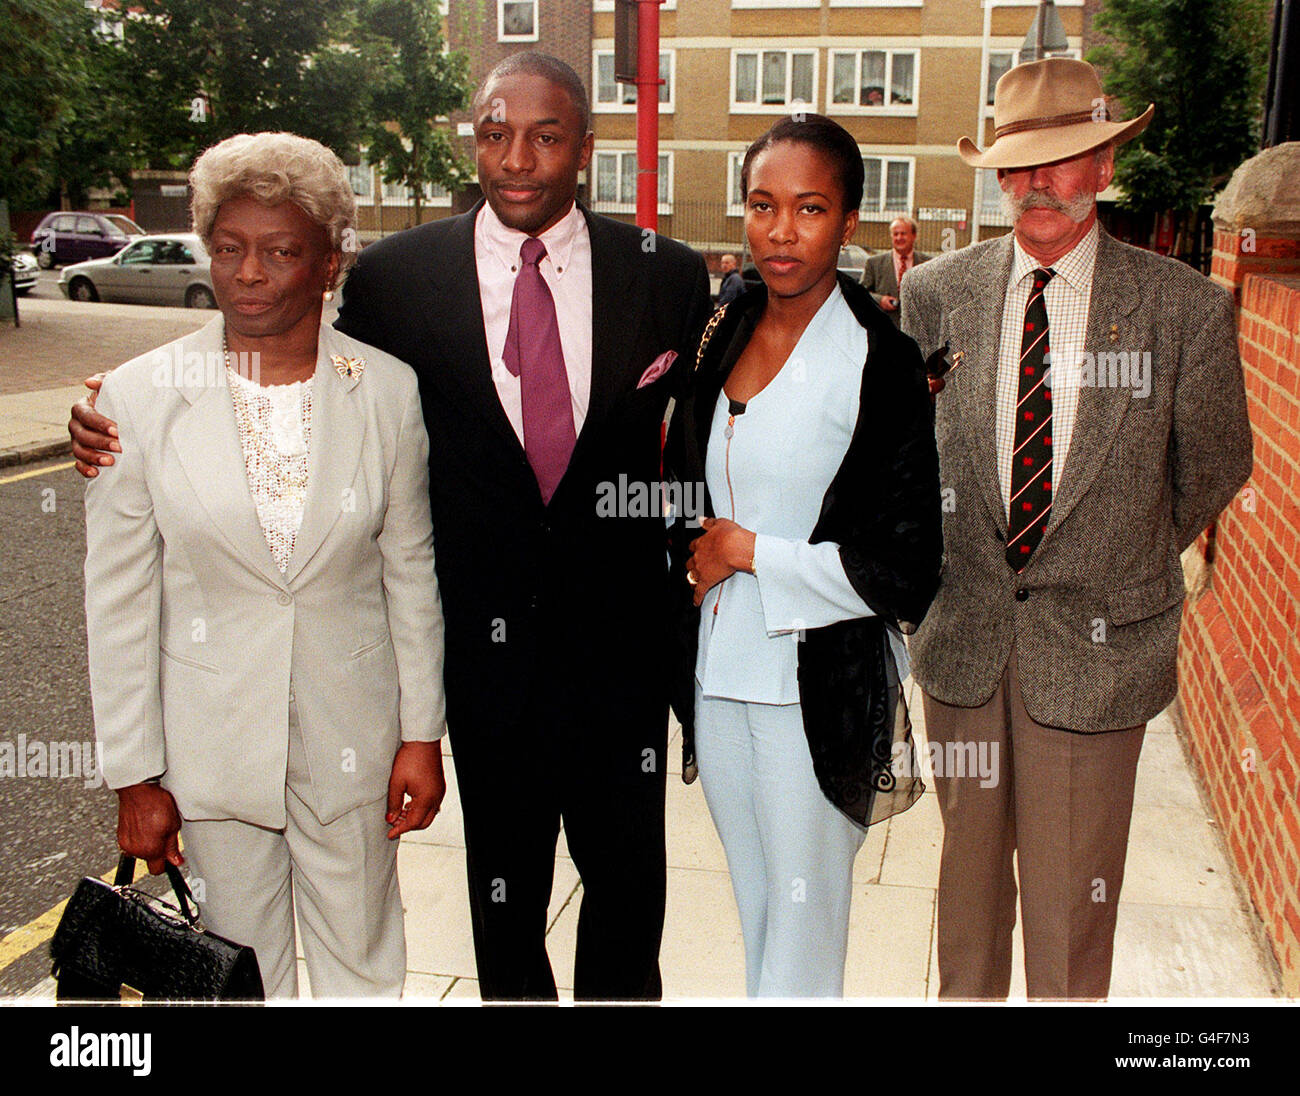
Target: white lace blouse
x,y
275,433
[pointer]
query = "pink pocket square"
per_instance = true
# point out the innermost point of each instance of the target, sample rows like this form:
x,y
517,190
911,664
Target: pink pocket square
x,y
658,368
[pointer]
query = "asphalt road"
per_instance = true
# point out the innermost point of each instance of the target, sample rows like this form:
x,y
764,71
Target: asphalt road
x,y
53,829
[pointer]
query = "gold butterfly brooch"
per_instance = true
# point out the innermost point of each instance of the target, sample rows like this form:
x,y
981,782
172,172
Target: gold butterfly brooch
x,y
348,367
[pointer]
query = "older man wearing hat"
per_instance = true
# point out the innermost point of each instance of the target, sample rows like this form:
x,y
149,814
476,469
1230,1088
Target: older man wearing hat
x,y
1092,424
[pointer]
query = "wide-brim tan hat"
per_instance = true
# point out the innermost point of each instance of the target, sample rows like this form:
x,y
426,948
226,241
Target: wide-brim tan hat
x,y
1049,110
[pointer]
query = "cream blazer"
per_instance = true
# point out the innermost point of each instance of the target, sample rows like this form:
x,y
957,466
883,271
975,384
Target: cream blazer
x,y
196,638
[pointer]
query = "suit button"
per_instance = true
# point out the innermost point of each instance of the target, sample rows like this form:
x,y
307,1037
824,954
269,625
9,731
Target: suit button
x,y
1022,594
284,599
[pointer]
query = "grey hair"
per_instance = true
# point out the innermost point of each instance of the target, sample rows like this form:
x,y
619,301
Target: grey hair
x,y
275,168
907,220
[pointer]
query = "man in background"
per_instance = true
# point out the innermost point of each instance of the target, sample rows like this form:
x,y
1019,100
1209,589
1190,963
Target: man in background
x,y
884,272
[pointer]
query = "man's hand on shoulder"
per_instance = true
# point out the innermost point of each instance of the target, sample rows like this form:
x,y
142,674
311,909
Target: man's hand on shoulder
x,y
94,437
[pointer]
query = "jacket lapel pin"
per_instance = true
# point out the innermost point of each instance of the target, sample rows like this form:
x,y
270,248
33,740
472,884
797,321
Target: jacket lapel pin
x,y
348,367
1114,332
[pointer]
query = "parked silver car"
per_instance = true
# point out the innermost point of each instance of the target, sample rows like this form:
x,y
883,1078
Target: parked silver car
x,y
164,270
25,271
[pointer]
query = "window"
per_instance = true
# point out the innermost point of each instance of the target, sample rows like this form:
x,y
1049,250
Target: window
x,y
615,187
991,211
887,188
173,252
771,81
362,179
735,200
873,80
612,97
516,20
88,226
1000,62
145,252
63,224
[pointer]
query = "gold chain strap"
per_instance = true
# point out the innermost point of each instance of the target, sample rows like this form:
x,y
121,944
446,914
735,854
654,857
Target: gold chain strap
x,y
709,329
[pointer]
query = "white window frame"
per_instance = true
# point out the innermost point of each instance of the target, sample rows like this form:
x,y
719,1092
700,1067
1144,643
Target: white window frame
x,y
406,200
601,206
502,36
735,159
741,5
368,198
883,214
886,110
991,214
773,108
599,106
878,3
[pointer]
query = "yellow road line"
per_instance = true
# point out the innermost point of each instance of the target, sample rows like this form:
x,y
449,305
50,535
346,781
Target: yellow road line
x,y
37,472
28,937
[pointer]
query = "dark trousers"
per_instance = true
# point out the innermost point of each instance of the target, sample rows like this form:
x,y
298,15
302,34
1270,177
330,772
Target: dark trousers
x,y
604,779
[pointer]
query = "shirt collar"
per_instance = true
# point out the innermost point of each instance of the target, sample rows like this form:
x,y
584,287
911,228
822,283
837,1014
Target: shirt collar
x,y
504,242
1075,266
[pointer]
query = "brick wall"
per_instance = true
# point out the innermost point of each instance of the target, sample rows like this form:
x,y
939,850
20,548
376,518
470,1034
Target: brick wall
x,y
1239,662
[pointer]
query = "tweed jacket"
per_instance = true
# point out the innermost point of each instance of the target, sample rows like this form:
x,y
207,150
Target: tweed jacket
x,y
1095,613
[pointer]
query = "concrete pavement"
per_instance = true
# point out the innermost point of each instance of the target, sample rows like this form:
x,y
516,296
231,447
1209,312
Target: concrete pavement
x,y
1185,929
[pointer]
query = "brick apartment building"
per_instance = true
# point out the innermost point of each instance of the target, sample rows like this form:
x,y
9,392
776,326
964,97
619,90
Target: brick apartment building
x,y
906,78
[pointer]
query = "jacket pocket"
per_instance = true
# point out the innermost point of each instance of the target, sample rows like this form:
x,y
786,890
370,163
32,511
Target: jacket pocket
x,y
360,651
195,663
1145,600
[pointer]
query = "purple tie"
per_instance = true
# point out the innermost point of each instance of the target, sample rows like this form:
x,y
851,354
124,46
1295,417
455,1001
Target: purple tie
x,y
534,355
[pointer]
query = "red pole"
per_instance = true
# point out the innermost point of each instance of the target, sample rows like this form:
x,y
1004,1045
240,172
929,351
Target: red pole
x,y
647,114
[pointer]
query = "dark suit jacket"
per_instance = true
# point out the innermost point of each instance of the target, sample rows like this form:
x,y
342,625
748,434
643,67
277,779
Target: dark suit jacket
x,y
1095,613
533,592
883,509
879,280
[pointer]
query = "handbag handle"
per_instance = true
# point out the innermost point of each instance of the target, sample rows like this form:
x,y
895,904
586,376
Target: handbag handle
x,y
126,875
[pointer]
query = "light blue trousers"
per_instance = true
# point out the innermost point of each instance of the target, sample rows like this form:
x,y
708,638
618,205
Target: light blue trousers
x,y
789,851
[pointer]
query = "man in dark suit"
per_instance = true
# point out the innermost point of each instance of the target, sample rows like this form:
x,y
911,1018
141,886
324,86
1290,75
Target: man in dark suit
x,y
884,272
537,330
557,652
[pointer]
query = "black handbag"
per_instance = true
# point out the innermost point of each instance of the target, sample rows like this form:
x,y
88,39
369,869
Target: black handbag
x,y
116,943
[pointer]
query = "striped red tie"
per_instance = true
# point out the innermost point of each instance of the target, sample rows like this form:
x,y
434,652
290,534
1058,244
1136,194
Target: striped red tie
x,y
1031,461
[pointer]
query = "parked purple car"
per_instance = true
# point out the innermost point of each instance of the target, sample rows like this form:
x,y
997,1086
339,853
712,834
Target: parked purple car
x,y
63,238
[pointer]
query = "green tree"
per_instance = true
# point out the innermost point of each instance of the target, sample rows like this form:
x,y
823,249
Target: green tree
x,y
39,78
1203,64
418,83
202,70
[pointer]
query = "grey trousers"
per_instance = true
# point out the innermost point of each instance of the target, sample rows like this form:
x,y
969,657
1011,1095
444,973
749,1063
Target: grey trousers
x,y
1061,802
341,878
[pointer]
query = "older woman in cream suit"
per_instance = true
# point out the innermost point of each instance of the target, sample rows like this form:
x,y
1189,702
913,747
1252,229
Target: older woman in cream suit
x,y
264,621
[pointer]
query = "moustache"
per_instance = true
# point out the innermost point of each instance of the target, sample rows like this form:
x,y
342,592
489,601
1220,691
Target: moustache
x,y
1076,208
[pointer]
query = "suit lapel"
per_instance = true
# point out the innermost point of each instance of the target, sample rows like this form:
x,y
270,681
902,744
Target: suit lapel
x,y
616,306
337,432
1100,409
454,324
206,442
975,330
